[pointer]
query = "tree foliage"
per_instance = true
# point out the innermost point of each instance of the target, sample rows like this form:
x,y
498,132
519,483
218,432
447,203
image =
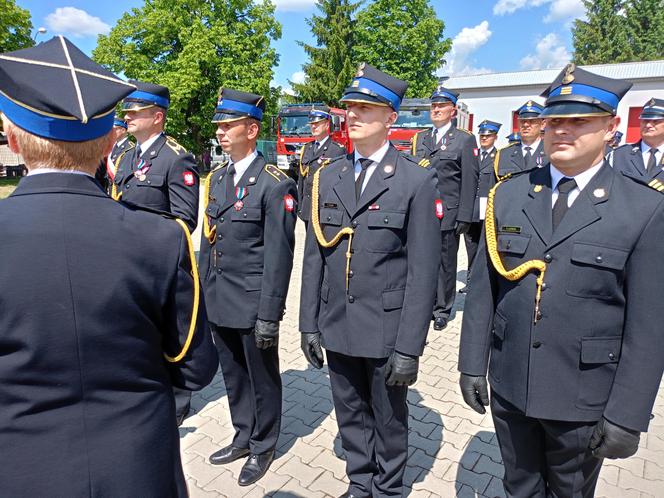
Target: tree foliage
x,y
330,67
619,31
405,39
194,47
15,27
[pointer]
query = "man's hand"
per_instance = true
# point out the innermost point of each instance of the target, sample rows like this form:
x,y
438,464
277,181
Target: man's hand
x,y
612,441
461,227
401,369
475,392
266,334
310,344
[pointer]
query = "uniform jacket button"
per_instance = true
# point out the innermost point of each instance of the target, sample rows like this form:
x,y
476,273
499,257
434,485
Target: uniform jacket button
x,y
536,344
329,218
354,224
219,271
244,215
351,299
219,237
598,259
544,286
350,274
548,258
221,219
612,356
219,253
386,220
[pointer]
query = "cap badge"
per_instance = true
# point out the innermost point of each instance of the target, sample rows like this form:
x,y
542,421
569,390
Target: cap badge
x,y
568,77
651,102
355,83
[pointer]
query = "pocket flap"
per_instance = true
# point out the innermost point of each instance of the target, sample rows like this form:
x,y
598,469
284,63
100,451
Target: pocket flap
x,y
324,291
600,349
499,326
393,299
386,219
213,210
253,282
597,255
247,214
152,181
445,154
330,216
513,243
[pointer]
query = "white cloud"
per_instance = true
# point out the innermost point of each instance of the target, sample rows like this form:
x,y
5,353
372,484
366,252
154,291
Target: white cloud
x,y
293,5
564,10
503,7
75,22
297,77
464,44
550,52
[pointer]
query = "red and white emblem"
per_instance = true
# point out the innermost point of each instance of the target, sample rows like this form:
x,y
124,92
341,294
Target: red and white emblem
x,y
189,178
439,209
289,203
476,152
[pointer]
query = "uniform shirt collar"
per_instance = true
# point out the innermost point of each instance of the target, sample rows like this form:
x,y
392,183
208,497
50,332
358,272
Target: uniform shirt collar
x,y
533,146
121,141
41,171
321,142
243,164
440,132
582,179
376,157
148,143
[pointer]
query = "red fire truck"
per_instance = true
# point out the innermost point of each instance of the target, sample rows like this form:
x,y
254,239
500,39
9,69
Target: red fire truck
x,y
293,132
413,117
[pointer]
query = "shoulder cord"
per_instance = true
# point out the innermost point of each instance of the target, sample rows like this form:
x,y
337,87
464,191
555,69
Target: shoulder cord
x,y
492,248
315,220
303,172
115,195
194,311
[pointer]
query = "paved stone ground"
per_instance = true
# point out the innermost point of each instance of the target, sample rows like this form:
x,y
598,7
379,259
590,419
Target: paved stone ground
x,y
453,450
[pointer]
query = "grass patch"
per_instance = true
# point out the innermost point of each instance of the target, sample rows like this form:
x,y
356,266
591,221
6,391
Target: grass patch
x,y
7,186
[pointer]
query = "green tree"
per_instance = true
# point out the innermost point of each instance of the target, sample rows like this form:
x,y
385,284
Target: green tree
x,y
330,67
605,36
194,47
15,27
404,39
645,20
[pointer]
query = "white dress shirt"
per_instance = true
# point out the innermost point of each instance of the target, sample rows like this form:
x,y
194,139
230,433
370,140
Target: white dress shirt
x,y
376,157
148,143
441,132
533,147
645,152
242,165
318,145
582,179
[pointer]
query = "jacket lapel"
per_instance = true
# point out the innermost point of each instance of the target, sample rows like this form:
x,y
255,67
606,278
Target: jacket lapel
x,y
516,158
538,207
345,187
427,141
249,178
638,168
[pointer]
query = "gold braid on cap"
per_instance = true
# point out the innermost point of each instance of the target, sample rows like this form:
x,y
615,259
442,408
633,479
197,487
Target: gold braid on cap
x,y
492,247
315,221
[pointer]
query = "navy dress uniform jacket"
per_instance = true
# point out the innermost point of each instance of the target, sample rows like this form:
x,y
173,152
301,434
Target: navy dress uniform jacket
x,y
310,161
486,181
457,166
394,264
246,270
597,348
171,184
86,394
510,159
629,159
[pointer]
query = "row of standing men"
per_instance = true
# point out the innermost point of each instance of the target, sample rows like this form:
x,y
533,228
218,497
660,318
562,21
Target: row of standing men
x,y
379,222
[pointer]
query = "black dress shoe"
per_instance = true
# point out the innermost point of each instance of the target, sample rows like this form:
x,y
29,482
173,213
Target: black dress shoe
x,y
439,323
463,289
349,495
227,455
255,467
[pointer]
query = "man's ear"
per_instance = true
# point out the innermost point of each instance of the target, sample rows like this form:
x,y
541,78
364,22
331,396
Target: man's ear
x,y
253,130
613,124
11,140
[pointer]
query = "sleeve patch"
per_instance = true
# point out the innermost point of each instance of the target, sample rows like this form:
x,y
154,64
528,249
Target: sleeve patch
x,y
439,209
476,152
189,178
289,203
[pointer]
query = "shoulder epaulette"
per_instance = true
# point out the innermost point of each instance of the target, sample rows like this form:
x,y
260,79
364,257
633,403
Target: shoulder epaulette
x,y
654,184
422,163
275,172
138,207
175,146
465,131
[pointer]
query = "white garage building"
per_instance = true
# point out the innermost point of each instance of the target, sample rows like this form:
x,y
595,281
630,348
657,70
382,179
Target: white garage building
x,y
496,96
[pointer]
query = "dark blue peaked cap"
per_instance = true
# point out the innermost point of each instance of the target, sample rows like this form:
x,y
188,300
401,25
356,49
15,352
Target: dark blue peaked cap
x,y
373,86
530,110
146,95
442,94
487,127
120,122
235,104
53,90
318,114
653,109
576,92
514,137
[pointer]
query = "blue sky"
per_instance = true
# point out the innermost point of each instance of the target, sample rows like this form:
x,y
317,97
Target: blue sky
x,y
488,35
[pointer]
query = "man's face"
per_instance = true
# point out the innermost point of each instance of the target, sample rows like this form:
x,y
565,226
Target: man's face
x,y
442,113
368,121
487,140
530,130
119,133
320,129
234,135
577,142
652,131
142,120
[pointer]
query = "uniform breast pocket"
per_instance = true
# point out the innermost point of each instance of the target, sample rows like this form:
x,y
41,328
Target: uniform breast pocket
x,y
330,220
512,247
386,232
597,271
151,189
247,223
448,156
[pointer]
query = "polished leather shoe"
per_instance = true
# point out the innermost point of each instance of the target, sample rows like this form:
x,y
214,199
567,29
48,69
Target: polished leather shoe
x,y
349,495
439,323
227,455
255,467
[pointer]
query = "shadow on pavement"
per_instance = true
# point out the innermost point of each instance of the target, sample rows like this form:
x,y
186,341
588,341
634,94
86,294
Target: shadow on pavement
x,y
479,461
425,439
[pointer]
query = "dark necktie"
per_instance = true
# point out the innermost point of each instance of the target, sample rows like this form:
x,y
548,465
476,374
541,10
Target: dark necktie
x,y
230,183
484,154
137,157
529,162
364,164
565,186
652,161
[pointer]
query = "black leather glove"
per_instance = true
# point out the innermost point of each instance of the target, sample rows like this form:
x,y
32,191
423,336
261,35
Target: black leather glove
x,y
266,334
612,441
461,227
310,344
401,369
475,392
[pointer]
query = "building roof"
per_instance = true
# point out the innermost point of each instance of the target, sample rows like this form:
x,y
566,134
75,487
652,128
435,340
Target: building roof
x,y
629,71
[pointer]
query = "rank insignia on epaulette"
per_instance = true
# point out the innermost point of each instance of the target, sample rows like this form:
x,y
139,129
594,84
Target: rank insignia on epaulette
x,y
656,184
175,147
